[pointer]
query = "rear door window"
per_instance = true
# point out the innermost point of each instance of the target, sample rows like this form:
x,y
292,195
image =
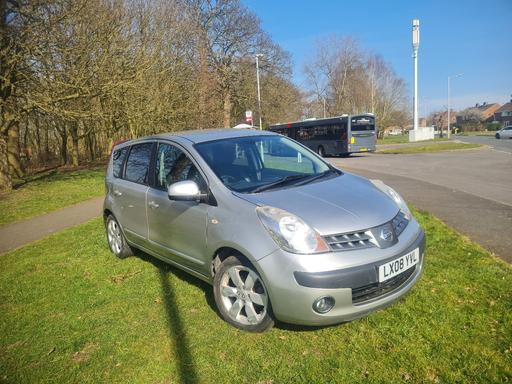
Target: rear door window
x,y
137,164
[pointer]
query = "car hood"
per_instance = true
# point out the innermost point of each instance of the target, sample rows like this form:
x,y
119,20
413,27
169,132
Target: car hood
x,y
342,204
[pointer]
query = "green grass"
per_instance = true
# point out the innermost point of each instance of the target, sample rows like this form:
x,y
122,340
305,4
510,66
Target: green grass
x,y
429,148
51,192
477,133
71,312
401,139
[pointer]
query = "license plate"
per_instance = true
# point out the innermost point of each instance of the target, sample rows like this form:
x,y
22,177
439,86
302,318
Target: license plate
x,y
397,266
363,149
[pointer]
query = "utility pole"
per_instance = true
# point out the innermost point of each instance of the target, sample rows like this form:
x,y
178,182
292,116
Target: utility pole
x,y
448,134
258,55
324,106
415,47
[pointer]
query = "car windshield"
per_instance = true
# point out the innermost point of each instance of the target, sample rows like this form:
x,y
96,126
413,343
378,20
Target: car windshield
x,y
256,163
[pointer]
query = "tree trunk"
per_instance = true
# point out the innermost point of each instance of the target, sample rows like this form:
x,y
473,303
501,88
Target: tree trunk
x,y
63,146
227,109
74,144
13,151
46,143
5,176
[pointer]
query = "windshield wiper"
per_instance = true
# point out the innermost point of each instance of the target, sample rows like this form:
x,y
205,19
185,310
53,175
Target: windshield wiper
x,y
283,181
318,176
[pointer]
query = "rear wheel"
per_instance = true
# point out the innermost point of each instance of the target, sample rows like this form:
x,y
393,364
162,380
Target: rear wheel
x,y
321,151
241,296
116,239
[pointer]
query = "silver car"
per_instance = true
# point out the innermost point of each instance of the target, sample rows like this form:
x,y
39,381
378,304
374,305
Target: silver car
x,y
504,133
279,233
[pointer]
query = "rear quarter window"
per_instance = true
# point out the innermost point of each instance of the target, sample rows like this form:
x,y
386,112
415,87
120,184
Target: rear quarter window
x,y
117,160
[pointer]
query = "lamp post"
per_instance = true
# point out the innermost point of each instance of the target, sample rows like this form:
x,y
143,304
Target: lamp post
x,y
415,47
258,55
448,133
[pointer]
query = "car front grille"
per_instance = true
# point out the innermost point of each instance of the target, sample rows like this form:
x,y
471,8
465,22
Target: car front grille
x,y
375,290
368,238
347,241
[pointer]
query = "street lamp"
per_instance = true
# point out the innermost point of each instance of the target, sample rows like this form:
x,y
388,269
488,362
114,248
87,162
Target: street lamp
x,y
258,55
415,47
448,134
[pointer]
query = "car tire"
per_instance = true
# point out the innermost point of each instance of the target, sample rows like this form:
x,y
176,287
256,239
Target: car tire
x,y
116,240
241,296
498,136
321,151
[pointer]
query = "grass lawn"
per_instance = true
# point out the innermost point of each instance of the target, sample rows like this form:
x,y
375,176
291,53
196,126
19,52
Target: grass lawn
x,y
429,148
400,139
51,192
477,133
72,312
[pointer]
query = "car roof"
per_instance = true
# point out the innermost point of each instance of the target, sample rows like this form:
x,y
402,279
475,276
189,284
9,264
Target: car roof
x,y
203,135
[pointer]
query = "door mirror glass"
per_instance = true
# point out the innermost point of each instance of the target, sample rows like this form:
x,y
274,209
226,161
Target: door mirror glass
x,y
187,190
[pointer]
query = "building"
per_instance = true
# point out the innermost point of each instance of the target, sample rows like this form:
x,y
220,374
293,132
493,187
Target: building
x,y
485,112
440,119
504,115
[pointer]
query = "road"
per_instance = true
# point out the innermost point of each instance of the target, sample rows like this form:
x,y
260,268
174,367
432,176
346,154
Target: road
x,y
470,190
504,145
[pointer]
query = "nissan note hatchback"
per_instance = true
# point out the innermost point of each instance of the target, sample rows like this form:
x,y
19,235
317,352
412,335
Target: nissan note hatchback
x,y
279,233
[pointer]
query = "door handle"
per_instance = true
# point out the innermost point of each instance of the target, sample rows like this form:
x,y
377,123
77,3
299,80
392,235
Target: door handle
x,y
117,193
153,205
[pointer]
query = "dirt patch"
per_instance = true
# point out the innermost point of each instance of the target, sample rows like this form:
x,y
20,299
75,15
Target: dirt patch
x,y
85,353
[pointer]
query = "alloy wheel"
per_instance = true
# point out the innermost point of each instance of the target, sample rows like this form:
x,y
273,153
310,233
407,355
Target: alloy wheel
x,y
243,295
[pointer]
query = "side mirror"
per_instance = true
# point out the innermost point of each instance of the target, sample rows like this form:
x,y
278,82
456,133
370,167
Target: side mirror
x,y
185,191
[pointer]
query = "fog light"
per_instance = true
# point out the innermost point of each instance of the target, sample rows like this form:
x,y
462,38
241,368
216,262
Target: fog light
x,y
323,304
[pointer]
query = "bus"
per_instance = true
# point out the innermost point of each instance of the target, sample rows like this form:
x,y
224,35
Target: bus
x,y
334,136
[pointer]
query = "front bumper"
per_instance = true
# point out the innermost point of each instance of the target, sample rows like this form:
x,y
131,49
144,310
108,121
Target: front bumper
x,y
294,282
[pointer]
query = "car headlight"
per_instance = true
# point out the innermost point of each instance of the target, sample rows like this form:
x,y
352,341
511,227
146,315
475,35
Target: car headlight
x,y
400,202
290,232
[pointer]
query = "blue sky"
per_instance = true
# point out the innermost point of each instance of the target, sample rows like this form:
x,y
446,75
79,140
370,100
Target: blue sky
x,y
464,36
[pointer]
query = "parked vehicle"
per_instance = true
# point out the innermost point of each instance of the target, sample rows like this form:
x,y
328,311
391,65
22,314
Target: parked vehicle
x,y
278,232
504,133
335,136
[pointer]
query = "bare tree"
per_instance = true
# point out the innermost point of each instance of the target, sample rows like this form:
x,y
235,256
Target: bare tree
x,y
353,81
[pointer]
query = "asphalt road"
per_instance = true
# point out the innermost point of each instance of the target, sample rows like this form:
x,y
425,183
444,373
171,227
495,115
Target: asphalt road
x,y
504,145
470,190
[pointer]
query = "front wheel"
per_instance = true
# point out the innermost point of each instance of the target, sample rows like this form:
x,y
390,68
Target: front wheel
x,y
498,136
321,151
241,296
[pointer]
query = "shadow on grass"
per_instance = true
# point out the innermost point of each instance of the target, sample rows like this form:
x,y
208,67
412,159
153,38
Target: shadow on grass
x,y
177,334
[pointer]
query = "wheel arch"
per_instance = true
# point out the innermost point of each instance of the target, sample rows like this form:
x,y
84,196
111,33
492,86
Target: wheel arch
x,y
224,252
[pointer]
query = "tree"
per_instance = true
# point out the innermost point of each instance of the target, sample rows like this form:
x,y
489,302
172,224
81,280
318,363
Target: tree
x,y
353,81
471,119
